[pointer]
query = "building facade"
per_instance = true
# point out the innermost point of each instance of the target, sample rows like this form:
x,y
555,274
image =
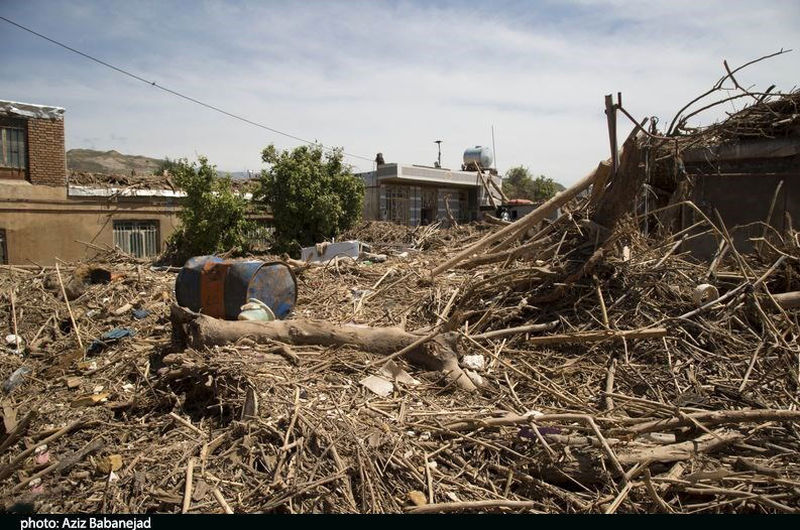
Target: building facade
x,y
420,195
44,218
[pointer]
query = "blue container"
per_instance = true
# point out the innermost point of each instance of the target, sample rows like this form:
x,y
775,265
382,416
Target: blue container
x,y
219,288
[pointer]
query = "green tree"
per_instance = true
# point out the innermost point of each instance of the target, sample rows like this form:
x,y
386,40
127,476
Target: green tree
x,y
213,216
520,184
312,194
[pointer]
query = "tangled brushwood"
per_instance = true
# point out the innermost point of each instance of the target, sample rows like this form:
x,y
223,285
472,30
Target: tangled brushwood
x,y
588,364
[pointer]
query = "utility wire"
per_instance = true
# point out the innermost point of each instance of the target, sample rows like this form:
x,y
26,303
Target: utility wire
x,y
176,93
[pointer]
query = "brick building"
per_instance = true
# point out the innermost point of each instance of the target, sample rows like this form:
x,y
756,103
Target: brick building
x,y
44,216
32,143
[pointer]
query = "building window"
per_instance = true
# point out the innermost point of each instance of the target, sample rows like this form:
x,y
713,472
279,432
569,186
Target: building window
x,y
138,238
13,148
397,204
3,247
261,235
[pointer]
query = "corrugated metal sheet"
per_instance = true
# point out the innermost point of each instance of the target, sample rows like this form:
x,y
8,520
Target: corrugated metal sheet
x,y
29,110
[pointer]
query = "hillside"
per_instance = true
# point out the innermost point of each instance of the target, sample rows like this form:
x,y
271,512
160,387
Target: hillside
x,y
111,162
115,163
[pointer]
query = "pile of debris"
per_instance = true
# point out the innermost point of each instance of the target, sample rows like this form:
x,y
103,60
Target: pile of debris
x,y
577,366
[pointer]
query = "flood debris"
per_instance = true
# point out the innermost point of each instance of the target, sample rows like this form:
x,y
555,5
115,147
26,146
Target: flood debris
x,y
607,382
325,252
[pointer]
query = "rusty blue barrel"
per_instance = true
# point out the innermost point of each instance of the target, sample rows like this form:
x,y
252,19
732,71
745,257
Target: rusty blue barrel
x,y
219,288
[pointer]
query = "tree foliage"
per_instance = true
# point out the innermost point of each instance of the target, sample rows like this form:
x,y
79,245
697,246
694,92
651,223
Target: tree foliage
x,y
520,184
213,216
312,194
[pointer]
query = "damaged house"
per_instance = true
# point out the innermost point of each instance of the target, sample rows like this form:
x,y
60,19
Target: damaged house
x,y
44,214
750,175
741,174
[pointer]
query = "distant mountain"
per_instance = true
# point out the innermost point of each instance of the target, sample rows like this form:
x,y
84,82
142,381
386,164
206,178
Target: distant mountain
x,y
115,163
111,162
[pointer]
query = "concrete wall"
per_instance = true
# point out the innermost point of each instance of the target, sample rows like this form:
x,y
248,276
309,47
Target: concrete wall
x,y
741,190
371,210
41,223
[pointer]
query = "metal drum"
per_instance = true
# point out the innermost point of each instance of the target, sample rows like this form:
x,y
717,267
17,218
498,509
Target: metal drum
x,y
219,288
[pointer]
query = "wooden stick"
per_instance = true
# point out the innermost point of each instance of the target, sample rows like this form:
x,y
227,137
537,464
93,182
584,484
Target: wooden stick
x,y
717,417
187,487
472,505
547,487
18,431
187,423
9,468
201,330
221,500
488,190
611,119
71,316
515,331
750,367
441,318
612,368
504,255
428,479
598,336
14,320
64,464
767,222
603,309
651,490
619,499
529,220
514,419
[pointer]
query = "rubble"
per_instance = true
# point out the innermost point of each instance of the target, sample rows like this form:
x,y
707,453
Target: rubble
x,y
606,383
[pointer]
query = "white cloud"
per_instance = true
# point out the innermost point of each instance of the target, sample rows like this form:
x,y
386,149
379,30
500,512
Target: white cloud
x,y
388,77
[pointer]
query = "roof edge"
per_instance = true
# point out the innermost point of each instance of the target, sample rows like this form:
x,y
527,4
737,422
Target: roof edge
x,y
30,110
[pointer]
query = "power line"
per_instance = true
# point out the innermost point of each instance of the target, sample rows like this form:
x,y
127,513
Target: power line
x,y
176,93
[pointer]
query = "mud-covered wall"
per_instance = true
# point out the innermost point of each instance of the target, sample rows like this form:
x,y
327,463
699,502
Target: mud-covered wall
x,y
41,223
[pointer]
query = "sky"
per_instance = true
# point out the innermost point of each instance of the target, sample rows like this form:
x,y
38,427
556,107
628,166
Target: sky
x,y
387,77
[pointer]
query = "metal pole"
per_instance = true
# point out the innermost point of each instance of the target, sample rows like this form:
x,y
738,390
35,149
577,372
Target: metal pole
x,y
494,149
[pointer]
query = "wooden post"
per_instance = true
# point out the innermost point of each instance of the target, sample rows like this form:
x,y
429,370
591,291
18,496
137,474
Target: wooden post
x,y
611,118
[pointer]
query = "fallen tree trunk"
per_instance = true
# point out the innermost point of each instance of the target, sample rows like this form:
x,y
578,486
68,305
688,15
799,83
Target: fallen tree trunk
x,y
198,331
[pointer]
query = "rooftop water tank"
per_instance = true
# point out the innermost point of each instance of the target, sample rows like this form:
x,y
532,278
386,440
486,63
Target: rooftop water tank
x,y
478,156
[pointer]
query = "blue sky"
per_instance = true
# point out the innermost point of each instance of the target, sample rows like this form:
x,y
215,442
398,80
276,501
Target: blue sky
x,y
384,76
